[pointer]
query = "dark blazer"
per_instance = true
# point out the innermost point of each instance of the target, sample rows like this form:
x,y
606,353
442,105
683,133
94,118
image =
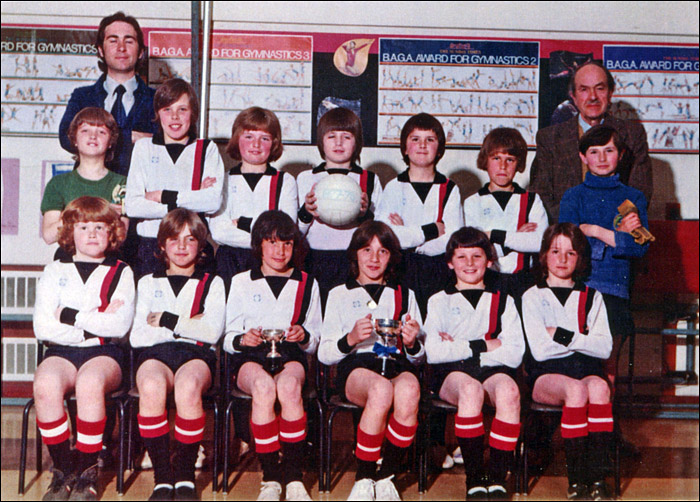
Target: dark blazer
x,y
140,119
557,165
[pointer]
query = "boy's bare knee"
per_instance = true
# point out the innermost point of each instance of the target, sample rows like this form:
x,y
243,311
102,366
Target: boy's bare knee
x,y
576,394
598,391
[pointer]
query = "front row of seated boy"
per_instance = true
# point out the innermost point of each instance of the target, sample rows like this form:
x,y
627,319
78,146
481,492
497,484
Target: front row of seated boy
x,y
474,338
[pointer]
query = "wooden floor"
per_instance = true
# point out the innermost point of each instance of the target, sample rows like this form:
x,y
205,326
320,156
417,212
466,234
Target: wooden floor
x,y
667,469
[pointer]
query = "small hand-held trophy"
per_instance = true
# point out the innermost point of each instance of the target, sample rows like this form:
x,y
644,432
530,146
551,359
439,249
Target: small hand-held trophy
x,y
273,360
388,330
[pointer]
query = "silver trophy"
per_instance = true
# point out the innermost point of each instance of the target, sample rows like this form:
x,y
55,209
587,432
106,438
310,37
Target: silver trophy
x,y
273,361
388,331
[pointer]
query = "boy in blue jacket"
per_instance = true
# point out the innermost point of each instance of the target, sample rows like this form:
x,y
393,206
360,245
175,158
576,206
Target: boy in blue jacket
x,y
593,206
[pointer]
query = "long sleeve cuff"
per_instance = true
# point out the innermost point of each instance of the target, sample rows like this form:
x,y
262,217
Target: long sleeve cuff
x,y
169,198
477,346
244,223
563,336
168,320
412,351
305,216
498,237
344,346
68,316
430,231
368,216
237,343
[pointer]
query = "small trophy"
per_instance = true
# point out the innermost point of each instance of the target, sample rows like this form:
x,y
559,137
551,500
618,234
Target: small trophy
x,y
388,330
273,361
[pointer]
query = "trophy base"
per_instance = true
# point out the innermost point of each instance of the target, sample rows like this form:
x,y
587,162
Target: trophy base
x,y
273,365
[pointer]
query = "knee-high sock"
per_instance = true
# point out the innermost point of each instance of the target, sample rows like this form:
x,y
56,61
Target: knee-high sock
x,y
89,443
367,451
502,440
470,436
188,436
267,446
574,431
292,439
55,436
155,432
399,438
600,439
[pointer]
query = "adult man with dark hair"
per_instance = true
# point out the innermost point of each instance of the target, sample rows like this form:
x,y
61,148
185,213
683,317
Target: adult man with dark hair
x,y
120,47
557,166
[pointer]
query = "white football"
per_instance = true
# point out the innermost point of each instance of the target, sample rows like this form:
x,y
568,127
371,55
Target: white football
x,y
338,199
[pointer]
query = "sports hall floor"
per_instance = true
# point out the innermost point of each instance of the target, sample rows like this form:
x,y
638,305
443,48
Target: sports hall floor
x,y
667,468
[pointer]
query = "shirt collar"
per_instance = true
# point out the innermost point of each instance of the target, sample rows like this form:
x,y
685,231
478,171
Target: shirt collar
x,y
516,189
578,285
353,284
354,168
269,171
256,274
159,138
110,85
585,126
438,180
601,181
197,275
110,260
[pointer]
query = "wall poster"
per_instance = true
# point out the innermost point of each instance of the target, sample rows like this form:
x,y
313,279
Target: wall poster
x,y
271,71
470,86
40,69
659,87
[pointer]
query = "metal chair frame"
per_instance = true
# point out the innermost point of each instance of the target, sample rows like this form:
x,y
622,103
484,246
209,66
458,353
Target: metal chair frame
x,y
119,398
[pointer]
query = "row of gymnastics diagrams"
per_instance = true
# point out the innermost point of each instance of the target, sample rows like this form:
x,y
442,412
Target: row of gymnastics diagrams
x,y
471,85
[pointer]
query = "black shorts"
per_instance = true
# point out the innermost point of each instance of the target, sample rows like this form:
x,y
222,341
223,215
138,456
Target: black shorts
x,y
575,366
175,354
289,352
78,356
471,367
394,367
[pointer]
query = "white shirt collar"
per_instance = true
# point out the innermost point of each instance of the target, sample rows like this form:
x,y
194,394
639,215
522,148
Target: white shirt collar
x,y
585,126
110,85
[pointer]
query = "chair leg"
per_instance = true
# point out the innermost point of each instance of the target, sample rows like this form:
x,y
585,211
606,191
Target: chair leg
x,y
122,430
616,468
524,481
23,446
215,467
227,446
329,445
320,438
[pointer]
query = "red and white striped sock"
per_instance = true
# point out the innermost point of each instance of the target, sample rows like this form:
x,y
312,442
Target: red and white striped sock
x,y
293,431
153,427
54,432
504,436
400,435
188,431
469,427
89,437
600,418
266,436
369,446
574,422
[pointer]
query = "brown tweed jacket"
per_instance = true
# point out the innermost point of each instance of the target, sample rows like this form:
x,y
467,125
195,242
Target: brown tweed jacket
x,y
557,166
